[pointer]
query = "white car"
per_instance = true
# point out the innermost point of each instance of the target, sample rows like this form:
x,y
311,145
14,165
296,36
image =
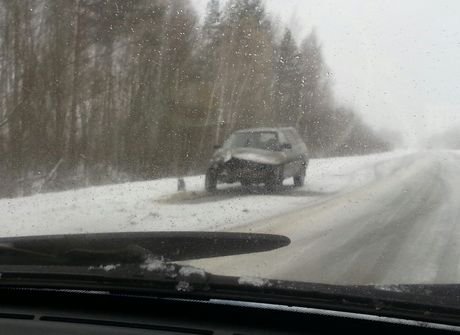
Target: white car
x,y
259,155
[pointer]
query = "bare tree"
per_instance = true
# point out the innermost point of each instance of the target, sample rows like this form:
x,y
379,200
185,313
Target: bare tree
x,y
95,91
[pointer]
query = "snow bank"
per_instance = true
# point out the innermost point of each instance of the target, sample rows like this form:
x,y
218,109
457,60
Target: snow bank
x,y
157,206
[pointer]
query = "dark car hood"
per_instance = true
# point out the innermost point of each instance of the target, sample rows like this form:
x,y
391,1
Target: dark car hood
x,y
251,154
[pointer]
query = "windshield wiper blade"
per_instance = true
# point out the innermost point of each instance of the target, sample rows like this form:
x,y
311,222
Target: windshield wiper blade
x,y
18,256
131,248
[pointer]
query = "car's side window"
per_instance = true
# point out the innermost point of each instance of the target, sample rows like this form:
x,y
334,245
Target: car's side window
x,y
290,137
282,137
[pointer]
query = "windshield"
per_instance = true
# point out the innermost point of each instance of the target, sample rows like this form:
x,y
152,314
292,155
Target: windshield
x,y
111,114
258,140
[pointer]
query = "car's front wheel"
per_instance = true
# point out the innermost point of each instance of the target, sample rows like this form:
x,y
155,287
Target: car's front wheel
x,y
210,181
299,180
275,180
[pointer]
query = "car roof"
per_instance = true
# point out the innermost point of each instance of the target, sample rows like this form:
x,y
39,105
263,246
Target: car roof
x,y
265,129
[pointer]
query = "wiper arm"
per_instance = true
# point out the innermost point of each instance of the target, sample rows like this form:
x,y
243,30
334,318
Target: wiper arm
x,y
132,254
131,248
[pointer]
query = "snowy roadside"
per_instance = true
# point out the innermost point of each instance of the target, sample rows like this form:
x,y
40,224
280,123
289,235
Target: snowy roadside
x,y
156,205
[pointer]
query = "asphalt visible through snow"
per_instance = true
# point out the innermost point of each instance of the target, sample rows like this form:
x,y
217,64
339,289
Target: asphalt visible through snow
x,y
400,227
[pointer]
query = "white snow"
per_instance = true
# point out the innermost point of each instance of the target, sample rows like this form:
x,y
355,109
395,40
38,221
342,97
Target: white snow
x,y
390,288
252,281
183,286
108,267
154,264
187,271
157,206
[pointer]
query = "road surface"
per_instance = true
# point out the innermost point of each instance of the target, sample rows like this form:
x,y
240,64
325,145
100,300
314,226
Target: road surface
x,y
402,226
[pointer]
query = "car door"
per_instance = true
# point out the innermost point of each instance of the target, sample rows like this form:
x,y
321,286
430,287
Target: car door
x,y
291,166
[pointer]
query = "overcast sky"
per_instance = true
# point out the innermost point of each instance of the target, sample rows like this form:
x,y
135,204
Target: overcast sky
x,y
396,62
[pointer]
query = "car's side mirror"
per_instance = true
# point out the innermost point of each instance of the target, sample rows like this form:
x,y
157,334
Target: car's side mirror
x,y
286,146
217,146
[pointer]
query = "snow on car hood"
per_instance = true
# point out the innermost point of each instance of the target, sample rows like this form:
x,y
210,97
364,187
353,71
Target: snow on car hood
x,y
253,155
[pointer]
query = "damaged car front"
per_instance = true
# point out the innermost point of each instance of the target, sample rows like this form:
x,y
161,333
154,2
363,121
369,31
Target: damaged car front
x,y
256,156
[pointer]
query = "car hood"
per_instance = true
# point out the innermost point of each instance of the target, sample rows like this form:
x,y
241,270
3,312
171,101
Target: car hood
x,y
251,154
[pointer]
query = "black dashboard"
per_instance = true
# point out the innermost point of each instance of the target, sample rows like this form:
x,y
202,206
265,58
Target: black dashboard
x,y
29,311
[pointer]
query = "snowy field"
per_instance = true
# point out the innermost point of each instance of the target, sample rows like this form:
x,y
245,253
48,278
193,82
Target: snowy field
x,y
157,206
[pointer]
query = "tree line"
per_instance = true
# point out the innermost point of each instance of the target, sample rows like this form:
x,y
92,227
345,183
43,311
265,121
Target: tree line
x,y
96,91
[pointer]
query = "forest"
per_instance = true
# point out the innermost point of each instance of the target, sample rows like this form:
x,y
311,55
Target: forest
x,y
103,91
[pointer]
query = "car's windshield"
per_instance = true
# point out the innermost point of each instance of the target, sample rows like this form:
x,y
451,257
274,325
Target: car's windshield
x,y
115,116
265,140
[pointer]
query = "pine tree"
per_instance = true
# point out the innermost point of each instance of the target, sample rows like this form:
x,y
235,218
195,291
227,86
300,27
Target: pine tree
x,y
287,83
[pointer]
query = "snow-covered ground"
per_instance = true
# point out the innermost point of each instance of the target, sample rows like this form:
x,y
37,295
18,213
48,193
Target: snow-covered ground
x,y
157,206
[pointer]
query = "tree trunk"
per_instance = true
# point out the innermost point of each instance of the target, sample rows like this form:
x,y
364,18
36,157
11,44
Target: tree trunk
x,y
73,150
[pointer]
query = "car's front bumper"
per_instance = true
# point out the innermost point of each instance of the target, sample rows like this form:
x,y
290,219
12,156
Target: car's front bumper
x,y
240,170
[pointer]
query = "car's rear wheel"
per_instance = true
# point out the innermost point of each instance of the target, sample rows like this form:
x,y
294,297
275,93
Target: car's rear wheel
x,y
210,181
275,180
299,180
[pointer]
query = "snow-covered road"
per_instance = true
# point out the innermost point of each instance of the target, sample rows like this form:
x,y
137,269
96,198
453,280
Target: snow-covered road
x,y
401,226
382,219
